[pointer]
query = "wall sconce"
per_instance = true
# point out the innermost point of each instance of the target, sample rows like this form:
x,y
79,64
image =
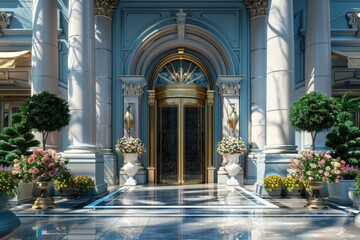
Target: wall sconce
x,y
233,118
128,120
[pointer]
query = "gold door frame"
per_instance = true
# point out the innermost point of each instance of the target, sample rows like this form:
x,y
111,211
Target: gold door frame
x,y
181,91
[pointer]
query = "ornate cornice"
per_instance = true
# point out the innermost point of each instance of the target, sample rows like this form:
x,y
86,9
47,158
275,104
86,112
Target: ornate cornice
x,y
105,7
354,21
4,21
256,7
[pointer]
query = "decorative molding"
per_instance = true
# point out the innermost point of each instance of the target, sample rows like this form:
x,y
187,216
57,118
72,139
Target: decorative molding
x,y
5,20
354,21
133,85
229,85
180,21
151,97
256,7
210,97
104,7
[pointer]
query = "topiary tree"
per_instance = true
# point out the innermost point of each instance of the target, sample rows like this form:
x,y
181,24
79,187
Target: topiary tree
x,y
313,113
46,113
16,140
345,136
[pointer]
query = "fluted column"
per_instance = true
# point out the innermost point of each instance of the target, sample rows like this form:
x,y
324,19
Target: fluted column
x,y
280,136
103,78
81,93
258,46
45,67
82,152
318,56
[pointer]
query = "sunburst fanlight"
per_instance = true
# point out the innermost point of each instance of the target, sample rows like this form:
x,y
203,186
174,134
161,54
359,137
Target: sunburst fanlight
x,y
181,72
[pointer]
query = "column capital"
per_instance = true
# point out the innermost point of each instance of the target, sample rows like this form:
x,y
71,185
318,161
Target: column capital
x,y
210,97
104,7
133,85
151,97
4,21
354,20
229,85
256,7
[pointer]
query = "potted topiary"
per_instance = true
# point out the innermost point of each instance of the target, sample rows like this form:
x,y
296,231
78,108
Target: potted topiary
x,y
313,113
46,113
344,139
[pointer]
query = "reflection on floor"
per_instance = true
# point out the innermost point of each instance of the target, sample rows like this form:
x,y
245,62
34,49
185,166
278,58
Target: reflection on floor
x,y
183,212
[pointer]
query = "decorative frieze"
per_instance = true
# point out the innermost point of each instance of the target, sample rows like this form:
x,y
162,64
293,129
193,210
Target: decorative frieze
x,y
5,19
105,7
256,7
354,21
133,85
229,85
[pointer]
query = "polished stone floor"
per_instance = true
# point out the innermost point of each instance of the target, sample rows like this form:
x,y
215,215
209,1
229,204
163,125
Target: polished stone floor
x,y
184,212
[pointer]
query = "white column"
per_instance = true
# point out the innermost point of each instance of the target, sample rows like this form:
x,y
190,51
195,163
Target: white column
x,y
45,70
258,46
280,136
103,80
318,56
81,93
82,152
132,91
45,65
229,87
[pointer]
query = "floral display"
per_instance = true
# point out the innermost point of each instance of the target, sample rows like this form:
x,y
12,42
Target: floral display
x,y
357,185
350,172
8,182
65,180
130,145
231,145
84,184
273,182
290,183
312,166
39,166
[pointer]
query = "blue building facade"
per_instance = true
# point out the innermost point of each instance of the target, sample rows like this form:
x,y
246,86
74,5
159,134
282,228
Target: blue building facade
x,y
182,67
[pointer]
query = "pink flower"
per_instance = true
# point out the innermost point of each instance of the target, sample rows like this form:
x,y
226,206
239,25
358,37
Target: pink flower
x,y
31,160
314,165
310,178
16,166
327,168
16,160
322,162
326,173
36,152
320,171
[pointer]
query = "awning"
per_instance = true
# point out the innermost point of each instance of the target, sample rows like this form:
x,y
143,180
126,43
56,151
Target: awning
x,y
10,59
351,57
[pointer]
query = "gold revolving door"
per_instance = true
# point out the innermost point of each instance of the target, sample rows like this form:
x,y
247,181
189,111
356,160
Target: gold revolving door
x,y
181,145
180,134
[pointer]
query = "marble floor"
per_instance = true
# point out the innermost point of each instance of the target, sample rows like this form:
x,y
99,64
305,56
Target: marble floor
x,y
184,212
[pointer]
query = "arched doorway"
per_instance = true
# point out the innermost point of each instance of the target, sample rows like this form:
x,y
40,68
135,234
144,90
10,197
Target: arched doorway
x,y
180,122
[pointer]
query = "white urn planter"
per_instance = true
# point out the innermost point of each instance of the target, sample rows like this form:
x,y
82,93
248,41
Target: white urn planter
x,y
233,168
356,204
130,168
338,192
